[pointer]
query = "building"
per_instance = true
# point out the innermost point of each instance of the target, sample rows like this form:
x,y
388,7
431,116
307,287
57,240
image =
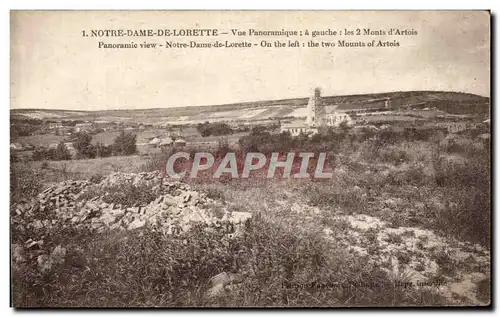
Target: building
x,y
316,110
154,142
335,119
316,114
180,143
55,125
83,127
319,114
166,143
296,128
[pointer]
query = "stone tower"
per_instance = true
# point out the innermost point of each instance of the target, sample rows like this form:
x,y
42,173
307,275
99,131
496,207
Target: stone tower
x,y
316,110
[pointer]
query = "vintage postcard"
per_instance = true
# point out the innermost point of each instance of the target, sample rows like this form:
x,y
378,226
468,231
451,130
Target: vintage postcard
x,y
250,158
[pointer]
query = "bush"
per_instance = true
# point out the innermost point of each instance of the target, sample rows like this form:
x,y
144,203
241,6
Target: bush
x,y
103,150
62,152
96,178
468,210
24,183
125,144
82,144
13,158
215,129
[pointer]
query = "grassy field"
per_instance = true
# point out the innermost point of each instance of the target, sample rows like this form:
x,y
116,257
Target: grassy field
x,y
41,139
56,171
397,212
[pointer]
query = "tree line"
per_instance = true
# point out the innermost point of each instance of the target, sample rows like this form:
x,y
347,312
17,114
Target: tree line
x,y
124,144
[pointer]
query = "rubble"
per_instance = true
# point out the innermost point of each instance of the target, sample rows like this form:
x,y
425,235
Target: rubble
x,y
175,208
18,254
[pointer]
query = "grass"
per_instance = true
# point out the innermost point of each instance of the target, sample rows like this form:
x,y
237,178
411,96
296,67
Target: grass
x,y
41,139
283,258
279,266
88,167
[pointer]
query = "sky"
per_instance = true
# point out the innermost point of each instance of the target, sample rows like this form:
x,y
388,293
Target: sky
x,y
54,67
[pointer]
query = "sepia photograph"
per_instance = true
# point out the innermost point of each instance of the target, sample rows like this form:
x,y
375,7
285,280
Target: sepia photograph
x,y
250,159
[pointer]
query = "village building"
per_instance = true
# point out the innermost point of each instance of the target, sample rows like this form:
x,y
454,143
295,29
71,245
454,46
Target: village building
x,y
296,128
166,143
337,118
69,145
154,142
55,125
83,127
180,143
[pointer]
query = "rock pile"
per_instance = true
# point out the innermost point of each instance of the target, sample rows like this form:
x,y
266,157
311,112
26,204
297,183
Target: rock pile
x,y
84,204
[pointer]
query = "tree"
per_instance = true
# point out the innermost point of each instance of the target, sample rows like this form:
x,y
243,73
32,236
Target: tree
x,y
102,150
61,152
208,129
125,144
82,144
38,154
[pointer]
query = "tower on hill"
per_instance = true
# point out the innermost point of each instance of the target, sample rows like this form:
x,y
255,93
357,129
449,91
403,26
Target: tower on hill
x,y
316,112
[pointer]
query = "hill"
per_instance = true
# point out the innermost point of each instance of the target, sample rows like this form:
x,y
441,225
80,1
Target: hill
x,y
452,102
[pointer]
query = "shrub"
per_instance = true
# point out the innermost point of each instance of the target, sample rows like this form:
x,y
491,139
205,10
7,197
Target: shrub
x,y
13,158
208,129
96,178
61,152
82,144
24,183
125,144
102,150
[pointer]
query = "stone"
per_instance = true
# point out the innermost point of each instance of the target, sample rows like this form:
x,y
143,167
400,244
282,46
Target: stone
x,y
238,217
215,291
224,278
137,223
176,206
108,219
117,212
30,244
44,263
169,200
18,254
37,224
58,254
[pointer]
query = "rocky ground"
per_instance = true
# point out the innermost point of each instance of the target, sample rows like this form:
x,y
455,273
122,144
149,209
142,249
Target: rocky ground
x,y
174,210
412,257
175,207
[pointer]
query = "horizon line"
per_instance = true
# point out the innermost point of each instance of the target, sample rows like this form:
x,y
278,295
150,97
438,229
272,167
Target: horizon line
x,y
252,101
